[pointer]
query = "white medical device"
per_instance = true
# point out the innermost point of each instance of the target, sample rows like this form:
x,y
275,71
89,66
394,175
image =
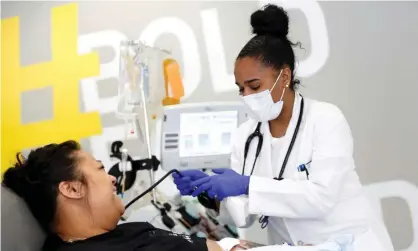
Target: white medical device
x,y
199,135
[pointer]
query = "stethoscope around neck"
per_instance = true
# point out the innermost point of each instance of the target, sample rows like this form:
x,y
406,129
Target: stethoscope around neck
x,y
257,134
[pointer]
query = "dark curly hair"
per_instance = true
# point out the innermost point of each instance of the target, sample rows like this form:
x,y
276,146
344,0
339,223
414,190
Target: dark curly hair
x,y
36,178
270,44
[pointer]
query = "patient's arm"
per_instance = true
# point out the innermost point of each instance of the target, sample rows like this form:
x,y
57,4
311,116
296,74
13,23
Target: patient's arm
x,y
248,244
213,246
239,245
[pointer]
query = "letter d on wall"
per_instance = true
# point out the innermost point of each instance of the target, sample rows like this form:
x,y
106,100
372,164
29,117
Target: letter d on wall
x,y
400,189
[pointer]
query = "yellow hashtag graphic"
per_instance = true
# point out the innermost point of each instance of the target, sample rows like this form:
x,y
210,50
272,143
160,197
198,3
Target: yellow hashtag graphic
x,y
62,73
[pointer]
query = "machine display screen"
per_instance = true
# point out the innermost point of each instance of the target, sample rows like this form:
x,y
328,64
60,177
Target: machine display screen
x,y
207,133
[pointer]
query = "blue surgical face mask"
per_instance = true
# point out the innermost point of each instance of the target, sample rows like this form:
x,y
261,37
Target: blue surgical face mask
x,y
262,106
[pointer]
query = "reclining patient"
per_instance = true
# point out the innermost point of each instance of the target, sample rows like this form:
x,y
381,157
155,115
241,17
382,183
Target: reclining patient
x,y
74,200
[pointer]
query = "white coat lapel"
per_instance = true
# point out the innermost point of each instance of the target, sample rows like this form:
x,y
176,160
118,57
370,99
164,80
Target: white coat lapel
x,y
287,139
305,136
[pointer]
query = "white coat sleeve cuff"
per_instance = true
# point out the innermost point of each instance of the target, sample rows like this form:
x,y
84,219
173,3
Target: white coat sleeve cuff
x,y
224,215
256,187
237,210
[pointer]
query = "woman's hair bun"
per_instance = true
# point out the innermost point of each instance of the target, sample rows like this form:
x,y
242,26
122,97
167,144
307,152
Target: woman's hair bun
x,y
270,20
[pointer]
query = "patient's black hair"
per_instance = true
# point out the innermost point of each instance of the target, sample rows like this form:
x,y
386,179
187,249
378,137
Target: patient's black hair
x,y
36,178
270,45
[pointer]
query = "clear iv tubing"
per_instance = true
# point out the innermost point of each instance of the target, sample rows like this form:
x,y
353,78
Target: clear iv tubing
x,y
147,138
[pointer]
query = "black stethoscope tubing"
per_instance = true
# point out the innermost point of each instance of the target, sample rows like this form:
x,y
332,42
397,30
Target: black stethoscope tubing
x,y
257,134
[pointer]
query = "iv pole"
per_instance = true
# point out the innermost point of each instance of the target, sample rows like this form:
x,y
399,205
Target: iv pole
x,y
132,64
147,140
132,70
146,120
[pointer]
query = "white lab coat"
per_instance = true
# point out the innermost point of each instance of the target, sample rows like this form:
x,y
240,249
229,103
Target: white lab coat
x,y
303,211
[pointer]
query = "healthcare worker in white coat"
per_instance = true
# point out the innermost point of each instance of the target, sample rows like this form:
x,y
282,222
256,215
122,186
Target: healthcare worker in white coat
x,y
292,163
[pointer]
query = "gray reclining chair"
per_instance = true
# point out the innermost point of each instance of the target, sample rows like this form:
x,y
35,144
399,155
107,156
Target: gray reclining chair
x,y
19,229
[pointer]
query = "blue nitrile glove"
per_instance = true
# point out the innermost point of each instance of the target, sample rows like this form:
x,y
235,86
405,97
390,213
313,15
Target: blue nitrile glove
x,y
184,182
225,183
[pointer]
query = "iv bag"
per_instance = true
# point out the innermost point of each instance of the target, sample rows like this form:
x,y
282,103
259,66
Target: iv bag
x,y
142,86
133,79
141,79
